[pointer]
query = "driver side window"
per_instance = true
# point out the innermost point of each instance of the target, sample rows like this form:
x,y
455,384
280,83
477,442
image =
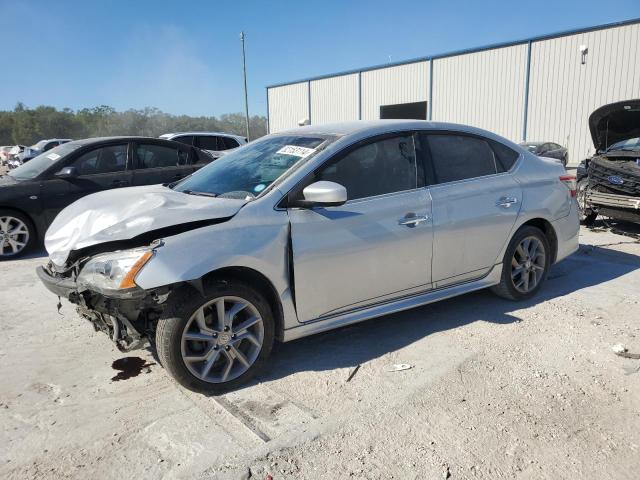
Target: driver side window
x,y
110,159
375,168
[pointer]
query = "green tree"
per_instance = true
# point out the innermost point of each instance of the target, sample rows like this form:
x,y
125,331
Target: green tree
x,y
26,126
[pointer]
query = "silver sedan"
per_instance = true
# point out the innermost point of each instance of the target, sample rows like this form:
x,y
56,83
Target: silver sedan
x,y
305,231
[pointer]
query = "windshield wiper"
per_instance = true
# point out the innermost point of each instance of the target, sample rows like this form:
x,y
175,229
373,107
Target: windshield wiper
x,y
200,194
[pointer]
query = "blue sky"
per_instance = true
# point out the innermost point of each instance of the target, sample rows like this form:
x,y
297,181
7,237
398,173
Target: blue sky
x,y
184,57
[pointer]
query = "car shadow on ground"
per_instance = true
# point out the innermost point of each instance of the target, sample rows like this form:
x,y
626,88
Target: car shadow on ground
x,y
35,253
359,343
628,229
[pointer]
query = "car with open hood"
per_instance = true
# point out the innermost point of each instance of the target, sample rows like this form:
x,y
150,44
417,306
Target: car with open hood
x,y
305,231
34,193
609,182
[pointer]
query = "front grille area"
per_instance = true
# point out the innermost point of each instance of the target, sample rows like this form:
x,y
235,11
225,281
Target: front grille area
x,y
600,169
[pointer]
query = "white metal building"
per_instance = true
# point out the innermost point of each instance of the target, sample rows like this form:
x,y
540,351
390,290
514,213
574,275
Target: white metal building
x,y
537,89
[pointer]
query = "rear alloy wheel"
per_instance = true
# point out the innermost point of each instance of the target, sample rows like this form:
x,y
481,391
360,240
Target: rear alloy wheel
x,y
528,264
216,343
525,265
587,216
16,234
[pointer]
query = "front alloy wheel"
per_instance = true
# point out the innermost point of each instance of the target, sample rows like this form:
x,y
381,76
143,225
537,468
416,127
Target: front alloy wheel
x,y
222,339
215,343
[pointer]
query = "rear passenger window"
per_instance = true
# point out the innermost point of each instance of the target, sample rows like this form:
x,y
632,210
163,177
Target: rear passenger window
x,y
229,142
504,155
208,142
385,166
458,157
157,156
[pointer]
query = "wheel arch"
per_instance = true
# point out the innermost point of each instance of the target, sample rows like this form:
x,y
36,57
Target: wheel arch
x,y
260,282
549,232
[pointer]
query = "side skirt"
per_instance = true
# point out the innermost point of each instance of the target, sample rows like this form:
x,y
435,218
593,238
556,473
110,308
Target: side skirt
x,y
329,323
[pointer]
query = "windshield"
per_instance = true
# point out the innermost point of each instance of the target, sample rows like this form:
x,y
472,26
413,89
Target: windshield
x,y
40,145
631,145
248,171
42,162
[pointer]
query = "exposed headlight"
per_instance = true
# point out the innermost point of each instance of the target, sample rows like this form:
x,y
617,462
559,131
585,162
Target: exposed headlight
x,y
113,271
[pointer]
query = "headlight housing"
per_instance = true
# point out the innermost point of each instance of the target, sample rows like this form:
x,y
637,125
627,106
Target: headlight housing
x,y
114,272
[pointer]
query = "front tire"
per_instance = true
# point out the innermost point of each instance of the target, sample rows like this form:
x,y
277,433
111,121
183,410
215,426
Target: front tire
x,y
587,215
17,234
525,265
218,342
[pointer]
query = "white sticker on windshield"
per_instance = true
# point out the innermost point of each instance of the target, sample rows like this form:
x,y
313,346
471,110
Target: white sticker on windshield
x,y
296,151
53,156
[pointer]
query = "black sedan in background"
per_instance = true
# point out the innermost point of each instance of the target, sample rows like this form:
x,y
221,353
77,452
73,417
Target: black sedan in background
x,y
34,193
548,149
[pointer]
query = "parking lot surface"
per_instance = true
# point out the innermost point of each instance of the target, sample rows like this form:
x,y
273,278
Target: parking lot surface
x,y
495,390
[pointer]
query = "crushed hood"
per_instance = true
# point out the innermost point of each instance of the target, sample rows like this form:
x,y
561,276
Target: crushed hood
x,y
615,122
122,214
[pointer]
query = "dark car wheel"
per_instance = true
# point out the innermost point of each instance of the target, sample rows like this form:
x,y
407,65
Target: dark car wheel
x,y
17,234
525,265
587,215
215,343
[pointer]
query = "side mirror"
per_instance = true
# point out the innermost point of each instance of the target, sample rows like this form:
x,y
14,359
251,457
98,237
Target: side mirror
x,y
67,172
324,194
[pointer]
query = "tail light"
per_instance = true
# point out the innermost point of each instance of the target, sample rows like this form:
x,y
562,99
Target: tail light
x,y
570,183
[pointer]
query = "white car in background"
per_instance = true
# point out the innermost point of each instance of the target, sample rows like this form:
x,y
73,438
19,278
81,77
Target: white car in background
x,y
215,143
4,154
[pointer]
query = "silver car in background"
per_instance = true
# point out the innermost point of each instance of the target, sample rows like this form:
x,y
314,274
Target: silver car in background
x,y
305,231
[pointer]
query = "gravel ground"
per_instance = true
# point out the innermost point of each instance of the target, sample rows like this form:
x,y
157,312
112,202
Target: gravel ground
x,y
496,390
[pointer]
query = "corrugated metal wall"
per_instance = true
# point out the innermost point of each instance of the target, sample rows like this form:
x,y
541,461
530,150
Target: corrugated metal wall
x,y
334,99
483,89
486,88
563,92
288,105
387,86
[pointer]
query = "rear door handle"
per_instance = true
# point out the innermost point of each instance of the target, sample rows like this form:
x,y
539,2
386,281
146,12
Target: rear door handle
x,y
412,220
506,201
120,183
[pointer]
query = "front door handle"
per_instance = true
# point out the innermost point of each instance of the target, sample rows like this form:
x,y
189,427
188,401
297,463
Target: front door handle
x,y
120,183
411,220
506,201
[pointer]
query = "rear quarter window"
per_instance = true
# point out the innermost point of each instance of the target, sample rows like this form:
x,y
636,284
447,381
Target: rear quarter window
x,y
505,156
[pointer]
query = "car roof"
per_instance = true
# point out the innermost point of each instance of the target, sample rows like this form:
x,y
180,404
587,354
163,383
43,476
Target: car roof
x,y
380,126
221,134
89,141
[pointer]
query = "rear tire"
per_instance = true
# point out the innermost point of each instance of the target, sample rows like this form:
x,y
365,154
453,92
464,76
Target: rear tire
x,y
525,265
587,215
206,354
17,234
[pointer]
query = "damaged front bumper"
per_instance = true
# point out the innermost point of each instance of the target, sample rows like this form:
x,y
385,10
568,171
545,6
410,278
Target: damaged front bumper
x,y
127,317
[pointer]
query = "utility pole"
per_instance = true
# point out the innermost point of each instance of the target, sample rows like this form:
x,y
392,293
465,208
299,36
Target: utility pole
x,y
244,74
